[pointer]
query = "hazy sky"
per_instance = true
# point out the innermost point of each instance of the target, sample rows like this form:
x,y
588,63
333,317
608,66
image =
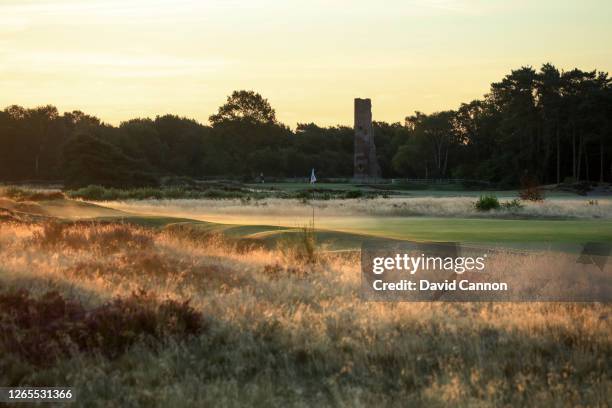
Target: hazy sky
x,y
120,59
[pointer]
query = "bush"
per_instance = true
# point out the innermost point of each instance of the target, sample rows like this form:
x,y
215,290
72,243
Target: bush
x,y
530,189
486,203
305,194
42,330
19,194
216,190
512,205
96,193
532,194
105,238
354,194
300,248
308,240
99,193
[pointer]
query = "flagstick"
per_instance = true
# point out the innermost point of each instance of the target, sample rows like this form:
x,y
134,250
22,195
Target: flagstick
x,y
313,180
313,216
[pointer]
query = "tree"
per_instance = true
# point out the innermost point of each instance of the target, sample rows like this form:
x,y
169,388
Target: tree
x,y
139,139
245,124
519,137
388,137
550,124
244,106
406,161
30,140
436,137
549,85
40,120
91,161
188,146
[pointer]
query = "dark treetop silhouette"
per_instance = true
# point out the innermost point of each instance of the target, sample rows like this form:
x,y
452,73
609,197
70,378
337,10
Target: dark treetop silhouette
x,y
550,124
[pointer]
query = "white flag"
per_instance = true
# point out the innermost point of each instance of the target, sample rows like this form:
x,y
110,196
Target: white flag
x,y
313,178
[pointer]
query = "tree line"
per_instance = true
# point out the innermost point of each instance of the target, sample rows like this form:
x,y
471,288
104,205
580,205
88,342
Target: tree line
x,y
553,125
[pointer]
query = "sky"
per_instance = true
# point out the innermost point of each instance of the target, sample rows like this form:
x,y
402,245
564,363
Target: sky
x,y
121,59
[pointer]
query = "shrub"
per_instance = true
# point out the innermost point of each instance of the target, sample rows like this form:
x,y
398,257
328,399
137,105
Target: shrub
x,y
277,271
530,189
52,234
105,238
300,247
486,203
42,330
308,240
45,196
12,192
218,193
113,327
354,194
19,194
216,190
7,216
98,193
532,194
512,205
91,192
305,194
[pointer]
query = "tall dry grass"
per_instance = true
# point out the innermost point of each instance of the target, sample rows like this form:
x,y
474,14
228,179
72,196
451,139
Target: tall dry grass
x,y
284,330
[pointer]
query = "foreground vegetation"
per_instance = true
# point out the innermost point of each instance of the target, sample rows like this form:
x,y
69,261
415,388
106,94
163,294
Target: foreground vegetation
x,y
139,316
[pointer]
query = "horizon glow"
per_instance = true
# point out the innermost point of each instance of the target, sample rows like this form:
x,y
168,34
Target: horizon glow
x,y
120,60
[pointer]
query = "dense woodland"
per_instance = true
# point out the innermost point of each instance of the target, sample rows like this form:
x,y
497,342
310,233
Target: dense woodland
x,y
553,125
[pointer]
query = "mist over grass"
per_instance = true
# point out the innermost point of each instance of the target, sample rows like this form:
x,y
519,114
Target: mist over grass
x,y
462,207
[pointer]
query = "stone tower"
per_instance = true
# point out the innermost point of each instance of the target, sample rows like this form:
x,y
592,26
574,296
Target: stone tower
x,y
365,163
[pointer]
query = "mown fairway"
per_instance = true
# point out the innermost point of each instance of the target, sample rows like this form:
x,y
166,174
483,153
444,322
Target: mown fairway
x,y
476,230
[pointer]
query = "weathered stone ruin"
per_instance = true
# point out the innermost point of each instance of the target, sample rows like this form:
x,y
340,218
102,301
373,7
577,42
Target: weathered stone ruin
x,y
365,163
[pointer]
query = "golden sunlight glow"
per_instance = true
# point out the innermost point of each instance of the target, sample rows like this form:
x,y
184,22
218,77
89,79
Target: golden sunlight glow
x,y
124,59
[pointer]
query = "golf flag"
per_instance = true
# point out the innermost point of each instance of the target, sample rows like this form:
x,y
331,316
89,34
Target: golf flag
x,y
313,178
